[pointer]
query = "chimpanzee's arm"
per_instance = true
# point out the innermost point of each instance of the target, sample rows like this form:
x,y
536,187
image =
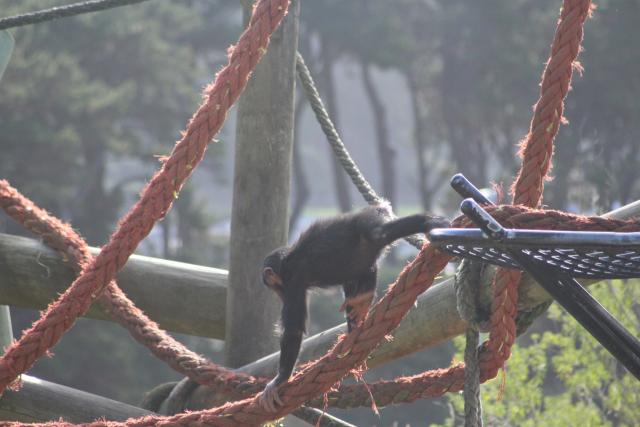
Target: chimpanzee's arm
x,y
294,317
289,350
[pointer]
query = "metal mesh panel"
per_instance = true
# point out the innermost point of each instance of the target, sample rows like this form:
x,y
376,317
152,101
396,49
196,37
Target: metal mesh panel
x,y
593,263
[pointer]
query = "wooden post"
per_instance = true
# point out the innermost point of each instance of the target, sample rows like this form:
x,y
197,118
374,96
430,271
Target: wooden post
x,y
261,187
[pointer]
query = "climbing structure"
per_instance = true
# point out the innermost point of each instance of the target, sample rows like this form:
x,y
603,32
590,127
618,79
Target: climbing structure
x,y
95,280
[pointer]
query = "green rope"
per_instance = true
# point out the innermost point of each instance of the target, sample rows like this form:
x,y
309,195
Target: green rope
x,y
336,143
467,287
62,12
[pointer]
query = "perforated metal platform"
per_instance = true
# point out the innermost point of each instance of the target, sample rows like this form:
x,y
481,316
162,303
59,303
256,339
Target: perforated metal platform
x,y
554,259
597,255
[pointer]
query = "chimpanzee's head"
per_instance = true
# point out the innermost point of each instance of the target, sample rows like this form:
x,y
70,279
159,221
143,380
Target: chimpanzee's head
x,y
272,271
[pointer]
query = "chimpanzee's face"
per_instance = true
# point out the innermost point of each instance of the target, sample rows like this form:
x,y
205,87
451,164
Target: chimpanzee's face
x,y
273,281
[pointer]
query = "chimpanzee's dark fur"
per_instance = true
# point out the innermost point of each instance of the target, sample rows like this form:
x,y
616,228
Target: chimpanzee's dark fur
x,y
337,251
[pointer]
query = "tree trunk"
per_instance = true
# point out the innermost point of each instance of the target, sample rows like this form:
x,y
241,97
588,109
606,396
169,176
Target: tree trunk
x,y
328,83
385,151
261,187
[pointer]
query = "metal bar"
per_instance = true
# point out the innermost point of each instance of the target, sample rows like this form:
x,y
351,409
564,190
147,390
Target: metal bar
x,y
541,239
466,189
486,222
587,311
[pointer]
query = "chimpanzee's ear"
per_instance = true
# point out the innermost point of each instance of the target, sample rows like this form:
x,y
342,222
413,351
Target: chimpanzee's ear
x,y
271,278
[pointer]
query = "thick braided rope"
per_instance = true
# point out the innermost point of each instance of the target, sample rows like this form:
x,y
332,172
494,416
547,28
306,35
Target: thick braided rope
x,y
536,150
156,199
504,304
537,147
61,237
338,147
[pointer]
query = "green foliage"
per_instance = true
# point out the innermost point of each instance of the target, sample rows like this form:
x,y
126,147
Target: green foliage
x,y
563,376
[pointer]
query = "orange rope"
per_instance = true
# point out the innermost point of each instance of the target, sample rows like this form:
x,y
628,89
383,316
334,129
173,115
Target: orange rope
x,y
537,150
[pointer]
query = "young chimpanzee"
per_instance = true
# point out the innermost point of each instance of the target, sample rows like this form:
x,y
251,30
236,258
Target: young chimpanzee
x,y
337,251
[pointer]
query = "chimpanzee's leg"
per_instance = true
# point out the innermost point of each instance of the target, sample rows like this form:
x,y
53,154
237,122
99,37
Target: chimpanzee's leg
x,y
358,295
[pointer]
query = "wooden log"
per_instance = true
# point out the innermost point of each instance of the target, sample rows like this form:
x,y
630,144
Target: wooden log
x,y
39,401
32,275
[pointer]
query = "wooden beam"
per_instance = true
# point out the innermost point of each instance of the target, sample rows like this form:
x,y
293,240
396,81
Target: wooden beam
x,y
32,275
39,401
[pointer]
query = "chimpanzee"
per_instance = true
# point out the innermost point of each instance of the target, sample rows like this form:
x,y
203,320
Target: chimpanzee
x,y
338,251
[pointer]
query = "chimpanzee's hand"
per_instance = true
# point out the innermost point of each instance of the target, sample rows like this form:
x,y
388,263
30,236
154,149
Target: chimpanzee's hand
x,y
270,399
356,309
